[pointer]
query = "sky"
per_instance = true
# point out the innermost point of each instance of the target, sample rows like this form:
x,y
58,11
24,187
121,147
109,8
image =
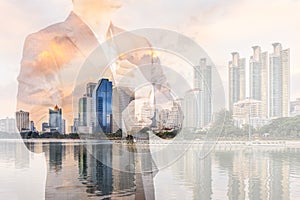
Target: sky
x,y
218,26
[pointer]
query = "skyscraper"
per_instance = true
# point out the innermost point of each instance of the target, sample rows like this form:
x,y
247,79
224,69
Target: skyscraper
x,y
90,87
119,103
22,119
175,116
63,126
85,112
192,108
103,99
279,82
55,120
8,125
237,79
258,78
203,81
32,127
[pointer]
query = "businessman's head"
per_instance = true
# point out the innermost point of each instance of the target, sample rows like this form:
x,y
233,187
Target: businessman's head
x,y
97,5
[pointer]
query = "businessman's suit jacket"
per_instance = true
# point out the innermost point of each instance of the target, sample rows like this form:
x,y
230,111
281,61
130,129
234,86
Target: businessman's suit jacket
x,y
51,61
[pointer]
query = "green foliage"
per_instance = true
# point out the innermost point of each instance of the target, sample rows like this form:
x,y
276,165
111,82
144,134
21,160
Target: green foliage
x,y
116,135
167,135
283,128
224,127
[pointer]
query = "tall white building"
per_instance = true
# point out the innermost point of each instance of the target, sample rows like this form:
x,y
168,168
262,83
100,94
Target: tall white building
x,y
163,118
258,78
147,113
8,125
175,117
120,100
192,108
279,75
203,81
86,111
237,79
85,114
63,129
90,87
22,120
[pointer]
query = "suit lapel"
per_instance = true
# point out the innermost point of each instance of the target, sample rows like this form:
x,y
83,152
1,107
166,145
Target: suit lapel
x,y
80,34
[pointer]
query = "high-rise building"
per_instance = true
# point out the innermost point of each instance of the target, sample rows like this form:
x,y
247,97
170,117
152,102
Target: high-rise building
x,y
279,82
258,78
63,127
45,127
85,115
120,100
8,125
82,111
103,102
74,127
175,117
203,81
86,111
237,79
163,118
90,87
147,112
22,119
192,108
55,120
32,127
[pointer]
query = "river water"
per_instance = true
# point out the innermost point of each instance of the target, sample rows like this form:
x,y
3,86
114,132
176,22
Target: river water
x,y
68,170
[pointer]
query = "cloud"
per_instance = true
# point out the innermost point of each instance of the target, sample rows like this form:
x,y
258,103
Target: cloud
x,y
218,26
18,19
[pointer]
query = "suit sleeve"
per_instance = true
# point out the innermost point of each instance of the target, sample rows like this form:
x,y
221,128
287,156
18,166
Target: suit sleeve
x,y
153,71
37,83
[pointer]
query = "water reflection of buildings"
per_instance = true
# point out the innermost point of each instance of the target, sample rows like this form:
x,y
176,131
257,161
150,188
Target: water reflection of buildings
x,y
55,155
198,175
255,174
240,172
248,173
104,179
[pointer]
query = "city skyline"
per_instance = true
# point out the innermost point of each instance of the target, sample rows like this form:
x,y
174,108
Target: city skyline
x,y
200,24
266,77
255,76
268,82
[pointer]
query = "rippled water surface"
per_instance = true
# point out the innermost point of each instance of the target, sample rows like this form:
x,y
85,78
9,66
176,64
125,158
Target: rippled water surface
x,y
228,172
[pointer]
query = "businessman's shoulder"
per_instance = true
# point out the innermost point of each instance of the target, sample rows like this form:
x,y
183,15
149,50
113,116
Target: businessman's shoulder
x,y
55,31
49,33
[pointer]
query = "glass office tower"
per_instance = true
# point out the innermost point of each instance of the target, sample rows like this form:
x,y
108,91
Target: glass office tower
x,y
104,106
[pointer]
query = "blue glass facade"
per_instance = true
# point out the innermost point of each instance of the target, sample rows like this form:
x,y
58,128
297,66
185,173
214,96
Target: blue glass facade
x,y
55,120
104,105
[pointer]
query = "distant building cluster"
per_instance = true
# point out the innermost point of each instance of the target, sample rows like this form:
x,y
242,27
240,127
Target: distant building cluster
x,y
101,107
56,123
269,86
101,110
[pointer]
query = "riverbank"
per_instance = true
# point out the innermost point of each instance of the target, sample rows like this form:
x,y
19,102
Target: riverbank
x,y
282,143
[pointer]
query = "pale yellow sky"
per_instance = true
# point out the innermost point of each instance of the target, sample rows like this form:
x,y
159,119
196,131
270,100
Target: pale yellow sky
x,y
219,27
